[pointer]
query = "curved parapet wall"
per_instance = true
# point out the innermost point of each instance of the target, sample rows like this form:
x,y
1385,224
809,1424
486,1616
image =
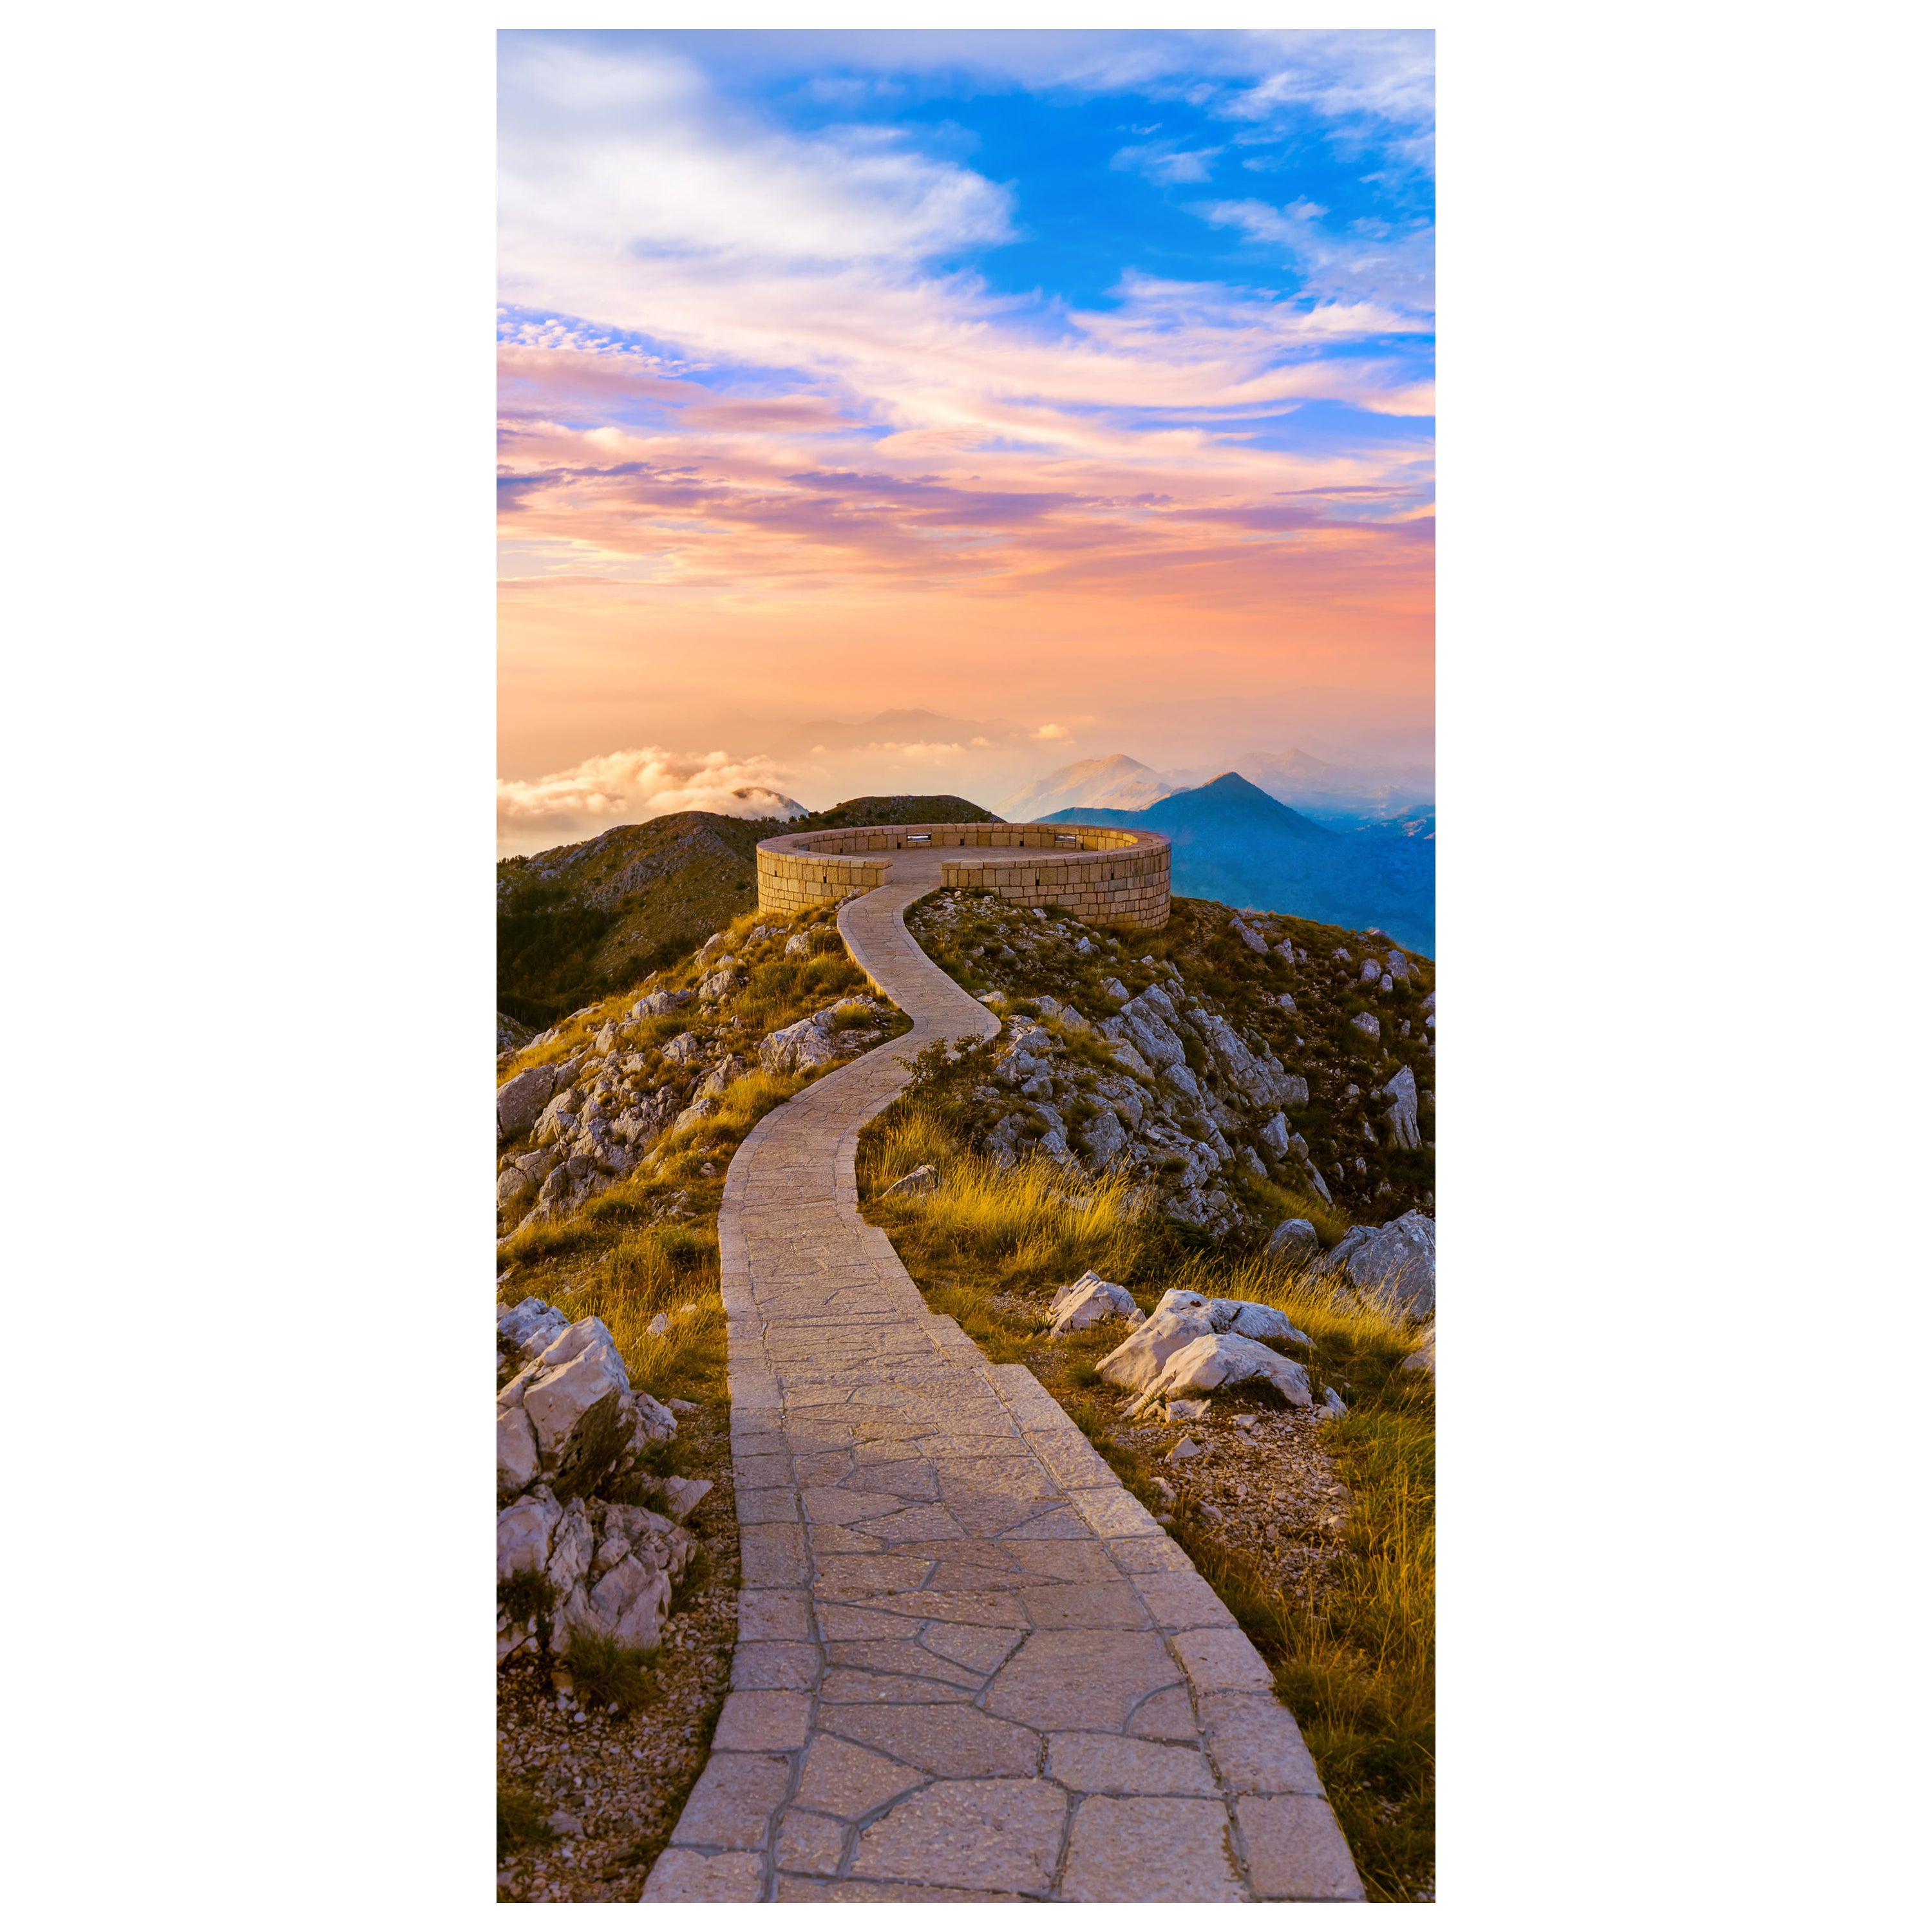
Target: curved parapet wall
x,y
1104,874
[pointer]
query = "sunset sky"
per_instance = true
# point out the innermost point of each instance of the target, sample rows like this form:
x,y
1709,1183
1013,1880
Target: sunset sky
x,y
1073,386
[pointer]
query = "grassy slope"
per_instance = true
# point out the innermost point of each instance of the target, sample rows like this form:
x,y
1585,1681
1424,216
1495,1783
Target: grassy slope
x,y
578,922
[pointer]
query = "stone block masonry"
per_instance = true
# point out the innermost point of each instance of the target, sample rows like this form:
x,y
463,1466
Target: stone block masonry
x,y
970,1666
1103,874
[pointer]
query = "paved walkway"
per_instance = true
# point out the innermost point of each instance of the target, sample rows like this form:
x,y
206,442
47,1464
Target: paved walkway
x,y
969,1665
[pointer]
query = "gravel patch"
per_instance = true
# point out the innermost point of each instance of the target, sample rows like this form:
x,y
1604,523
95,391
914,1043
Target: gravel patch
x,y
613,1784
1268,1490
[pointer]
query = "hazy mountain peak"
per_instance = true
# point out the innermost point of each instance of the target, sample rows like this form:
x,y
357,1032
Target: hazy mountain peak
x,y
1116,783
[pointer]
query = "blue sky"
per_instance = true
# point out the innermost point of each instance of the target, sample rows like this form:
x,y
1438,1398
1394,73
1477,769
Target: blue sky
x,y
817,326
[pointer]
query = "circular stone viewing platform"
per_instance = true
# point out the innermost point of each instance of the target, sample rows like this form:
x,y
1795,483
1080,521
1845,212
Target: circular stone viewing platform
x,y
1103,874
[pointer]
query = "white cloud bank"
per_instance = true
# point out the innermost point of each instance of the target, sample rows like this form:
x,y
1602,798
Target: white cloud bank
x,y
624,787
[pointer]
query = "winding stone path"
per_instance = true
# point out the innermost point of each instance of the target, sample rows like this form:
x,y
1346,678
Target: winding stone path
x,y
969,1665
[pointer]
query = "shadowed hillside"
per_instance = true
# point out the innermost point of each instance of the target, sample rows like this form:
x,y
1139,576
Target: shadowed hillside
x,y
578,922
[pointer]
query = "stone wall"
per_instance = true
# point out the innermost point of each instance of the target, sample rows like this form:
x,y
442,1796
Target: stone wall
x,y
1106,875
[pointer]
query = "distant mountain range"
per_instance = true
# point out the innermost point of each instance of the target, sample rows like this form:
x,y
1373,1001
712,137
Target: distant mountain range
x,y
1233,842
1346,795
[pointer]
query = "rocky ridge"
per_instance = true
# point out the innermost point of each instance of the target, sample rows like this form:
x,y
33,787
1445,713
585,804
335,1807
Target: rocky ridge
x,y
633,1074
1240,1063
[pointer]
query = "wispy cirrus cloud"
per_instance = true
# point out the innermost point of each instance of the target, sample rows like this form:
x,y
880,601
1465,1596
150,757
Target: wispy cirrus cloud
x,y
1169,161
1370,260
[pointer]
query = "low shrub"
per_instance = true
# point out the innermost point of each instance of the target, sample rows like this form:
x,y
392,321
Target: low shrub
x,y
606,1672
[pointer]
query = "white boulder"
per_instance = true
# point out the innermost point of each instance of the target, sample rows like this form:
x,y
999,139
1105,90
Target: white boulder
x,y
1368,1025
1254,1319
612,1567
1402,1095
922,1180
1089,1301
1399,1257
531,1326
655,1005
1295,1242
575,1366
1144,1353
519,1102
1222,1364
796,1048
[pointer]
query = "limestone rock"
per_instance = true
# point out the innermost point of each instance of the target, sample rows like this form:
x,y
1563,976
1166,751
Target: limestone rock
x,y
718,985
518,1463
519,1102
1372,971
683,1494
1225,1363
1398,1256
522,1533
1368,1025
1424,1358
1402,1125
1247,935
613,1567
1295,1241
1088,1302
922,1180
682,1050
804,1044
519,1182
1254,1319
728,1069
1260,1076
1141,1356
655,1005
531,1326
575,1366
1103,1138
798,946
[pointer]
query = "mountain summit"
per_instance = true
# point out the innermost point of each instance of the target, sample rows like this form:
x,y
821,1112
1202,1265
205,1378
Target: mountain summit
x,y
1233,842
1117,784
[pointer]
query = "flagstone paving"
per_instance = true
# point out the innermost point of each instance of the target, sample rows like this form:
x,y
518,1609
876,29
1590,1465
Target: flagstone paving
x,y
969,1665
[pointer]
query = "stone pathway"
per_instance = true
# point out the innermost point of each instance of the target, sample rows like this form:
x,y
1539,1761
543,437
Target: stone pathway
x,y
969,1665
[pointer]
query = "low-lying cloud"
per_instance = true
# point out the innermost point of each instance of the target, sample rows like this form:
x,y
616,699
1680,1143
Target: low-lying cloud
x,y
623,787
